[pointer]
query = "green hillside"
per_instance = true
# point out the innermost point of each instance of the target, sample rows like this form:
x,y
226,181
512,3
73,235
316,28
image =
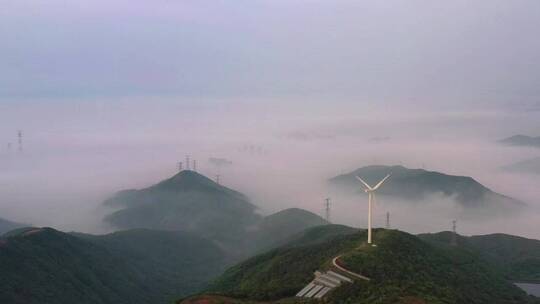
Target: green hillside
x,y
42,265
284,271
517,257
402,268
416,184
217,299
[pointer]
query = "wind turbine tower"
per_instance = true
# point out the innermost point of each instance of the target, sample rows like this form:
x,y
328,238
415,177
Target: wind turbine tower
x,y
371,198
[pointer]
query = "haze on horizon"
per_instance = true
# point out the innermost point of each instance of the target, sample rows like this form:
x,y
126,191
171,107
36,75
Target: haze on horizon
x,y
110,95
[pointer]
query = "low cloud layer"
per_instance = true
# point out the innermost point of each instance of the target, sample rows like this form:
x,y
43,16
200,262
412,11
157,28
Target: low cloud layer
x,y
70,165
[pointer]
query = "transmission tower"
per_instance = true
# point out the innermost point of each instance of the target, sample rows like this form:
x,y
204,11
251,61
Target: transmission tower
x,y
217,179
327,209
454,234
20,142
387,220
180,167
195,165
187,162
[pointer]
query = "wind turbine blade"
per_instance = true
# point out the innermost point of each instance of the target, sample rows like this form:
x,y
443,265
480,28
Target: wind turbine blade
x,y
363,182
381,182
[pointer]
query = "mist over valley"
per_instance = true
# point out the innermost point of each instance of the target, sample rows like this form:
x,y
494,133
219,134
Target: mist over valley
x,y
219,152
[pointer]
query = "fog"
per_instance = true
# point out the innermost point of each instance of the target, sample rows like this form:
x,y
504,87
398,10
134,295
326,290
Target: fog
x,y
111,96
68,167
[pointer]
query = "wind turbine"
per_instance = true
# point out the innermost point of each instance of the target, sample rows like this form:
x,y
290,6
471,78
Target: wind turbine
x,y
371,197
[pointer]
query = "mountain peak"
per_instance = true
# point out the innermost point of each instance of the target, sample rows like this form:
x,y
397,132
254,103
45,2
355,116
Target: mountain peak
x,y
186,201
297,214
188,176
188,180
294,216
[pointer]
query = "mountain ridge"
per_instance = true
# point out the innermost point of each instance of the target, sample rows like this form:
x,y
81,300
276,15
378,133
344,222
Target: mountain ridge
x,y
521,140
530,166
518,257
6,225
416,184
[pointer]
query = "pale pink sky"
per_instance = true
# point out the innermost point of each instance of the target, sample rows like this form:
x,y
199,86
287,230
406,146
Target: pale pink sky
x,y
111,94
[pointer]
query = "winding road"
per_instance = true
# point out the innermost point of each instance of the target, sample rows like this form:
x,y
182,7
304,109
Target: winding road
x,y
354,274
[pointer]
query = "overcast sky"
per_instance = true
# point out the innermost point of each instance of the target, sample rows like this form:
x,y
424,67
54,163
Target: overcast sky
x,y
440,53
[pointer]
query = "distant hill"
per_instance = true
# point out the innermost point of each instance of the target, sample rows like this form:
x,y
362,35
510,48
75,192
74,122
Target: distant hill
x,y
402,268
531,166
416,184
6,226
188,201
521,140
318,235
279,227
517,257
192,202
43,265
